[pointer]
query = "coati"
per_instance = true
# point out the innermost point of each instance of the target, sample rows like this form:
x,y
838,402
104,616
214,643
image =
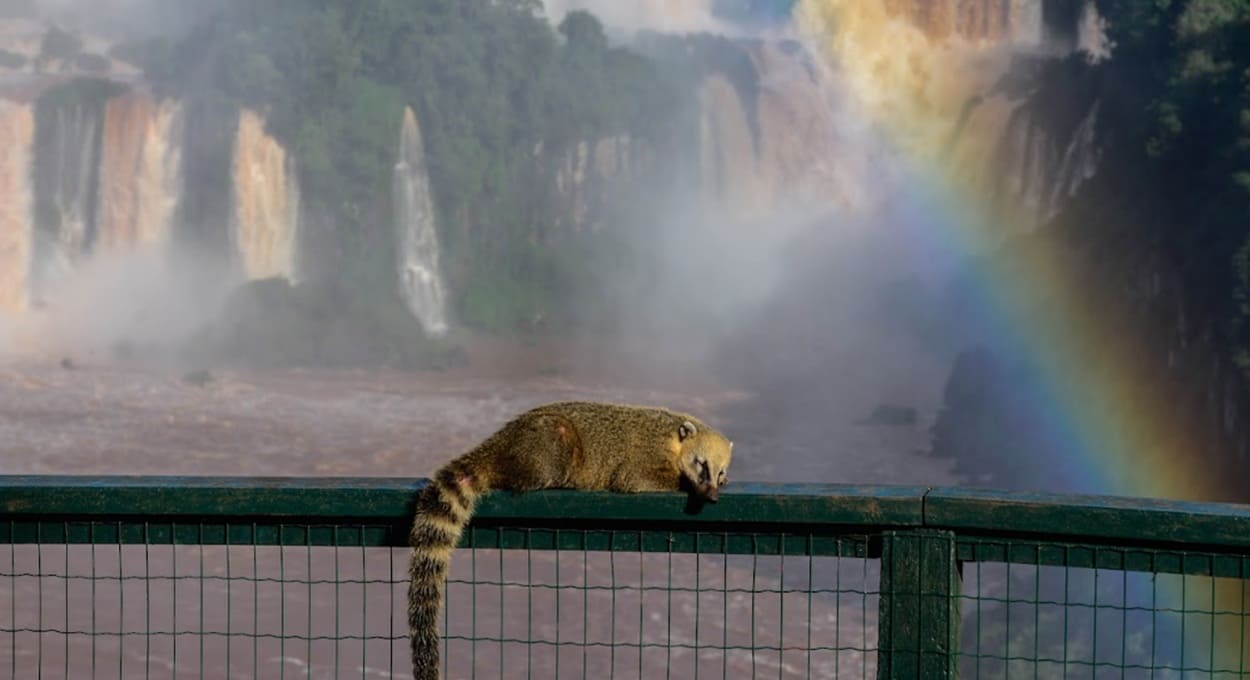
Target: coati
x,y
568,445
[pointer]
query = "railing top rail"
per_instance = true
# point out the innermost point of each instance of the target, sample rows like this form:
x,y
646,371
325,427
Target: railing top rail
x,y
389,499
1135,521
743,506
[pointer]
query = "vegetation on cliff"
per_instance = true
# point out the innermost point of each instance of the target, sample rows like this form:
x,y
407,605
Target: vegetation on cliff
x,y
1185,165
1156,248
498,93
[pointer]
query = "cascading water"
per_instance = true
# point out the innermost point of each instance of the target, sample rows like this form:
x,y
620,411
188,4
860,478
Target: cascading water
x,y
798,153
17,132
1079,162
265,198
420,280
67,154
140,171
912,68
726,148
929,73
1039,170
775,149
1025,21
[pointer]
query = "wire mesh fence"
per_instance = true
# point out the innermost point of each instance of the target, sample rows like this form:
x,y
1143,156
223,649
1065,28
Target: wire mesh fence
x,y
596,614
263,611
150,581
162,611
1060,610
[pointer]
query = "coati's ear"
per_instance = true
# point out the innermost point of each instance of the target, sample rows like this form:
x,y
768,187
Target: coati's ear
x,y
686,431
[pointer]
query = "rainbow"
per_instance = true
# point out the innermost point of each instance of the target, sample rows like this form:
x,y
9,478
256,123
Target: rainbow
x,y
1118,437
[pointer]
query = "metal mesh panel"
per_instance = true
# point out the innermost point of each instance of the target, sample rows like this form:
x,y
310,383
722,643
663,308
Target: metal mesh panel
x,y
114,610
1060,610
162,610
598,613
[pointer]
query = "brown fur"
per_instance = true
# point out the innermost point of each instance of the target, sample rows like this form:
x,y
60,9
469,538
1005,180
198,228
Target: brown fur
x,y
569,445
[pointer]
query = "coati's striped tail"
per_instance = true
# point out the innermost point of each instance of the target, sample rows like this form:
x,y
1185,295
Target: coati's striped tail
x,y
443,510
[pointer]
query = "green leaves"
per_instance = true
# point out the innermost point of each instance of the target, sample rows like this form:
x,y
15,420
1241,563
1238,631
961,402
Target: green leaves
x,y
501,97
1203,16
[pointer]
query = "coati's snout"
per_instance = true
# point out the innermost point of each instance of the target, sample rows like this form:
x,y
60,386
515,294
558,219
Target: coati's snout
x,y
705,485
706,460
710,493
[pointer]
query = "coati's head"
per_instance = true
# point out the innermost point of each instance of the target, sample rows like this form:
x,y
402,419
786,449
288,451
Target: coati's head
x,y
704,458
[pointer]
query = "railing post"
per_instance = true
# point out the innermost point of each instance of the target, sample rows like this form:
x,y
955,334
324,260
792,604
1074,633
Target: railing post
x,y
918,630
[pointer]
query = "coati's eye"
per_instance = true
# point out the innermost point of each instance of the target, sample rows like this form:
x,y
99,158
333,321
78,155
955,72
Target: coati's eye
x,y
705,474
723,479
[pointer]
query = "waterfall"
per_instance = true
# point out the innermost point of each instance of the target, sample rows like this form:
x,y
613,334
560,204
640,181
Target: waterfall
x,y
727,148
1078,164
140,171
17,133
1040,169
420,280
947,81
1027,27
67,153
265,202
800,164
991,21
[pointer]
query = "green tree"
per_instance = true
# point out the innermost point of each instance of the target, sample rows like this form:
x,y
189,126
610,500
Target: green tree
x,y
1186,63
498,94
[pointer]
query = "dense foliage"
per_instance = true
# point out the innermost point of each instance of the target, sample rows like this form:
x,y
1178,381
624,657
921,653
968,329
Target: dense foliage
x,y
1185,165
501,97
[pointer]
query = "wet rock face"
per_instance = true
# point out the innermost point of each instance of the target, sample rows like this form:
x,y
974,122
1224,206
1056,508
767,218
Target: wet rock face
x,y
982,408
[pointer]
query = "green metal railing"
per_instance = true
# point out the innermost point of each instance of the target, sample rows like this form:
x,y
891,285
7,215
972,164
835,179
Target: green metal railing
x,y
126,577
